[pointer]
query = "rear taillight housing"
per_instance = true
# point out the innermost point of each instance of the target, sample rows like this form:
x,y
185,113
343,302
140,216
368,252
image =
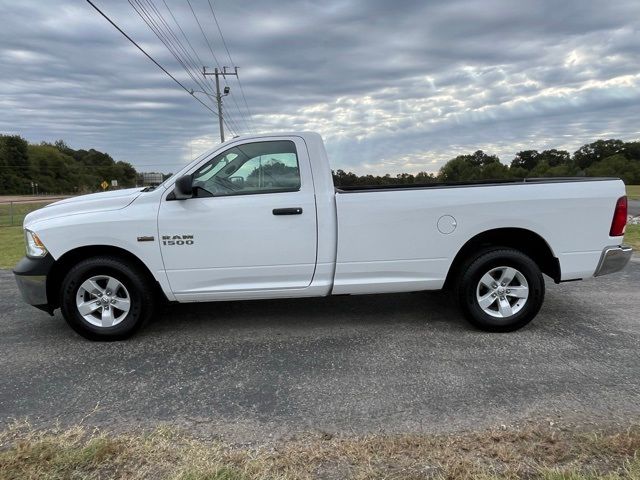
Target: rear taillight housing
x,y
619,222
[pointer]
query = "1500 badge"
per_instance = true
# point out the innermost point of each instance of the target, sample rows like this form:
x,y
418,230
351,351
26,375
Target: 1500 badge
x,y
170,240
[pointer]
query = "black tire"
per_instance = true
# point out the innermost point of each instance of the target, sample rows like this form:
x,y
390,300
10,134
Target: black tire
x,y
473,271
139,288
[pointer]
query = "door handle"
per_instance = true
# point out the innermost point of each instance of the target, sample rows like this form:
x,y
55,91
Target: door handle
x,y
287,211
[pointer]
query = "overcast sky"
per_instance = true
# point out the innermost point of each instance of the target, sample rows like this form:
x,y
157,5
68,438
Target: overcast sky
x,y
393,86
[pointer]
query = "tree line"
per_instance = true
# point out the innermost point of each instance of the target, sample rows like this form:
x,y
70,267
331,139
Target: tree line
x,y
57,168
603,158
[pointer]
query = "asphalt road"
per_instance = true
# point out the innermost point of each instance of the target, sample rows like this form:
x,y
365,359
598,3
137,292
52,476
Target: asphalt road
x,y
389,363
634,207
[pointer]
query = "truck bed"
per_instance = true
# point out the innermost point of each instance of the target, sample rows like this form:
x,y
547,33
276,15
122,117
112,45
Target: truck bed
x,y
407,240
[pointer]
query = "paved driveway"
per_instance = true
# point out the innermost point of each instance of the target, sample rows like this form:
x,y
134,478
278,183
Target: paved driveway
x,y
394,363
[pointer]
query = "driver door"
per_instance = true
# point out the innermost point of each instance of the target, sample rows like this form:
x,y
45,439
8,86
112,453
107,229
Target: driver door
x,y
250,227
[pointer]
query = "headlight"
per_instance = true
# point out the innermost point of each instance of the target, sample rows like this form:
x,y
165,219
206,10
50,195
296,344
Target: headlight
x,y
35,247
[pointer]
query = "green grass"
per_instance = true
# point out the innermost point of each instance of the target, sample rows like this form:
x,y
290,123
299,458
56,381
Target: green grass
x,y
11,246
13,214
633,192
632,237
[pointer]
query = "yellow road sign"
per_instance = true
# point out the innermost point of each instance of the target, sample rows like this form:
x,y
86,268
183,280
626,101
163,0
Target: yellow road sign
x,y
104,185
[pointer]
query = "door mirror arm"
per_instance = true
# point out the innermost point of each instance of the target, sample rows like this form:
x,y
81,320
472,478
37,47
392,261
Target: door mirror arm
x,y
183,188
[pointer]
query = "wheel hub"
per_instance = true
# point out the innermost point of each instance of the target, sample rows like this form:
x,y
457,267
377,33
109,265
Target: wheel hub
x,y
103,301
502,292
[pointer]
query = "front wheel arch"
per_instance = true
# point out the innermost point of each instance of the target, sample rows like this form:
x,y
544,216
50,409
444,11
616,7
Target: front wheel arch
x,y
63,264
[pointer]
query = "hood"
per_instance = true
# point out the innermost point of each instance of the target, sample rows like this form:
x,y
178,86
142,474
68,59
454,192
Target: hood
x,y
94,202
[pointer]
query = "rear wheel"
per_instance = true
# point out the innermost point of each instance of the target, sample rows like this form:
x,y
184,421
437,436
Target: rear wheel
x,y
500,290
104,298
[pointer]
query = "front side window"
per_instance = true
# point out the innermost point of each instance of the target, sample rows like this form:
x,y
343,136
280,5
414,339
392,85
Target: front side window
x,y
260,167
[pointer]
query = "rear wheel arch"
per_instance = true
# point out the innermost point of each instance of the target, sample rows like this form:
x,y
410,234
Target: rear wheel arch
x,y
523,240
63,264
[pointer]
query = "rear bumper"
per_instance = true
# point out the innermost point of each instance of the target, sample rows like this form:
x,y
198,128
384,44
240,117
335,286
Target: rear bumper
x,y
31,277
613,259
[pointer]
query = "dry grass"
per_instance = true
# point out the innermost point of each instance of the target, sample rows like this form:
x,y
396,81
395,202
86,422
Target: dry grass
x,y
529,452
633,192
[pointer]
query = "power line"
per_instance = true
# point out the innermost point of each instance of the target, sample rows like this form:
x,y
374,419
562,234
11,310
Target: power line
x,y
187,59
166,35
155,27
215,58
184,35
215,18
224,42
170,30
182,32
239,112
204,34
150,57
235,130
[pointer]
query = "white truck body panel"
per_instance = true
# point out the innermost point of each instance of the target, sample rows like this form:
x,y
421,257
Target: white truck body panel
x,y
371,241
389,240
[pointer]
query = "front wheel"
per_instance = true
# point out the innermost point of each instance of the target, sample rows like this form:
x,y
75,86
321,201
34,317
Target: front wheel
x,y
104,298
500,290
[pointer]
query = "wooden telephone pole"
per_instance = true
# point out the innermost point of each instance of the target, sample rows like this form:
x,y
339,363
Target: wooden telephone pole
x,y
217,72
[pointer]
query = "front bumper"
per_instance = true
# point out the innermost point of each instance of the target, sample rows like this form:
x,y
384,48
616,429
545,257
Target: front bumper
x,y
31,277
613,259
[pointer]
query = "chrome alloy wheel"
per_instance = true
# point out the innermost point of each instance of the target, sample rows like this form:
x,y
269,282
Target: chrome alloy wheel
x,y
103,301
502,292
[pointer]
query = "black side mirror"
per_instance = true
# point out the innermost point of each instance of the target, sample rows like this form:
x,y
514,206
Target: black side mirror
x,y
183,188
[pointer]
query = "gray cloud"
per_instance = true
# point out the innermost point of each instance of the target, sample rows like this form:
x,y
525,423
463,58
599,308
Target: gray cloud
x,y
393,86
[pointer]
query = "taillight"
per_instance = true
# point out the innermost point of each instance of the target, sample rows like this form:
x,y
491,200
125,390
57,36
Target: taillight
x,y
619,222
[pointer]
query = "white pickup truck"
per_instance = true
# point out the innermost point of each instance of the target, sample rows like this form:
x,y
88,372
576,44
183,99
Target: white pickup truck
x,y
259,217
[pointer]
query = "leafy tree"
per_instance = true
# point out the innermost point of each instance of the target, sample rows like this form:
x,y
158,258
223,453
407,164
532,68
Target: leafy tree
x,y
555,157
52,170
632,151
518,172
424,177
591,153
57,168
477,166
343,179
480,159
526,159
495,171
14,165
616,166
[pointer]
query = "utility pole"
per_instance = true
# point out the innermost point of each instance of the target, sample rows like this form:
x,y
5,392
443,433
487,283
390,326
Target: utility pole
x,y
217,72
